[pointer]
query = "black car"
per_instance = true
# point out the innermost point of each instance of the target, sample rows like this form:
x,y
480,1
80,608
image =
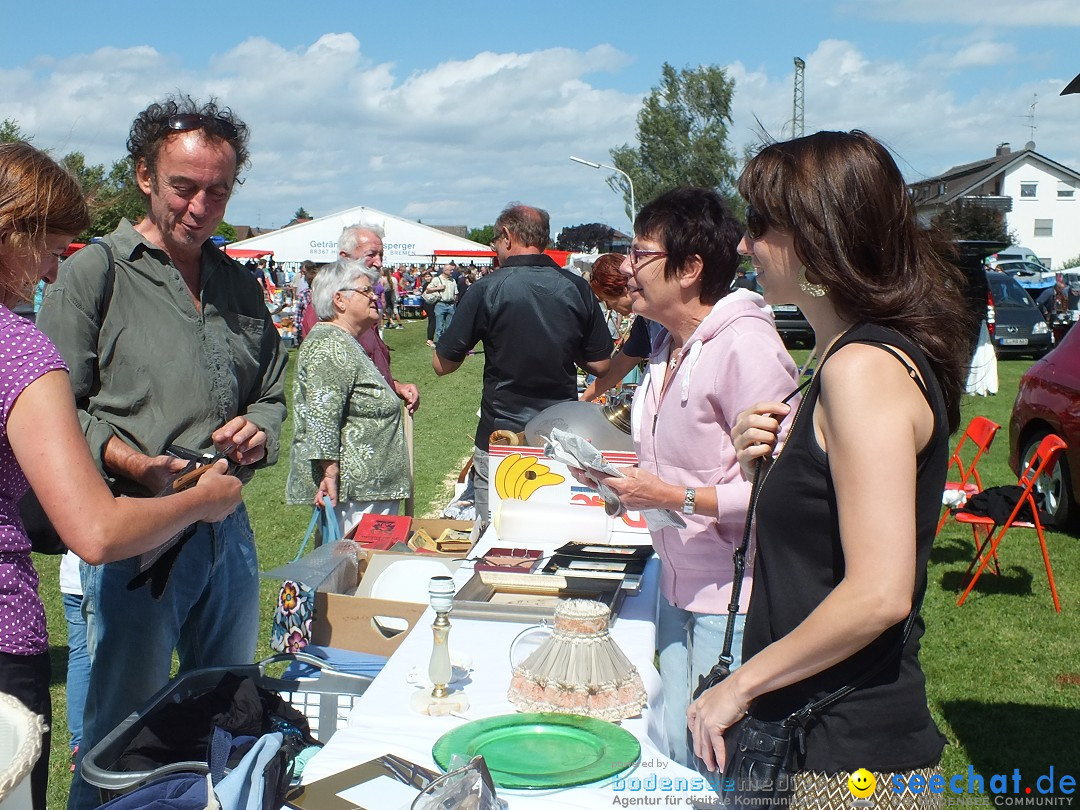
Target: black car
x,y
793,327
1017,326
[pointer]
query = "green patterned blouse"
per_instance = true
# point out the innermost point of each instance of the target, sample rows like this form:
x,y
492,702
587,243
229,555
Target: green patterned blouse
x,y
344,410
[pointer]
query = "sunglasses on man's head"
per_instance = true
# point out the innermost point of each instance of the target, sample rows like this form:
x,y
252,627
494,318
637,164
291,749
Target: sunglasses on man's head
x,y
756,224
188,122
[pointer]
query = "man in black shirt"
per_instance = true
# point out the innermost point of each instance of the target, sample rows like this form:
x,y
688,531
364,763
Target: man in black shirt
x,y
537,322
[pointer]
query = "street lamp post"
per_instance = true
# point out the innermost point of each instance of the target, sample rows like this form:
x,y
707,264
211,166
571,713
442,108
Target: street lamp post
x,y
629,182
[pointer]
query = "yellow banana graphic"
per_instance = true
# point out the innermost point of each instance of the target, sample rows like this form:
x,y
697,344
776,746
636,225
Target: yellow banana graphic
x,y
515,474
502,470
530,485
529,475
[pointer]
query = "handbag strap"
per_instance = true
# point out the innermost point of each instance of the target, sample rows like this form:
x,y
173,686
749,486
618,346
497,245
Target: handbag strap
x,y
738,557
331,529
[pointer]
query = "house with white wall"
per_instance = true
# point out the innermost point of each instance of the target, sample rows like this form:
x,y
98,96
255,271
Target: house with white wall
x,y
1039,198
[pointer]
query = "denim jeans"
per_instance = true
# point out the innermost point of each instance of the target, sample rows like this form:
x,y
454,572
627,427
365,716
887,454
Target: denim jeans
x,y
78,669
209,614
444,311
480,461
689,645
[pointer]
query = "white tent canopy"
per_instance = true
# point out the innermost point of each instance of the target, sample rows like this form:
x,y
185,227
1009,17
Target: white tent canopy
x,y
405,242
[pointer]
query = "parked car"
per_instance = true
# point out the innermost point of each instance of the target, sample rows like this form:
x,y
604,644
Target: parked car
x,y
1016,325
1014,253
1032,276
1048,401
793,327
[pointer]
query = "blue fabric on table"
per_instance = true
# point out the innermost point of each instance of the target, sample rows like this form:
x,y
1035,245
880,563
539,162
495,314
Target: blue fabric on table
x,y
352,663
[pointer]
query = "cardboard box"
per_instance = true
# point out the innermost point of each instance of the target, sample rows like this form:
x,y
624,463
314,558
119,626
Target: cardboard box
x,y
364,624
528,476
435,528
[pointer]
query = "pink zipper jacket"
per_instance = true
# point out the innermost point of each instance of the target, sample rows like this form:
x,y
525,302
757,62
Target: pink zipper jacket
x,y
734,359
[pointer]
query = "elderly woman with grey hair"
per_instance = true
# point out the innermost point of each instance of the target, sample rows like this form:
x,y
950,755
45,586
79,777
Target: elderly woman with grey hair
x,y
349,437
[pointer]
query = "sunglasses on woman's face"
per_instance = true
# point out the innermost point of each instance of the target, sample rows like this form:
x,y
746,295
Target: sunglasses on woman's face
x,y
756,225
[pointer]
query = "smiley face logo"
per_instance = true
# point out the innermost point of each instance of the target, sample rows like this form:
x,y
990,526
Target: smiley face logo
x,y
861,783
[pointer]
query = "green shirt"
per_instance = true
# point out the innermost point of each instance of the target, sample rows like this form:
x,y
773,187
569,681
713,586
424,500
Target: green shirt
x,y
151,369
345,411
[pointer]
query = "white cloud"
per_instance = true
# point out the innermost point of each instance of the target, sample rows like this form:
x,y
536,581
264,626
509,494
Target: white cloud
x,y
1008,13
978,54
330,129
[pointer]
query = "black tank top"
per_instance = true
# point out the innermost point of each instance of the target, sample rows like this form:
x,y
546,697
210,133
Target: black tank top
x,y
885,724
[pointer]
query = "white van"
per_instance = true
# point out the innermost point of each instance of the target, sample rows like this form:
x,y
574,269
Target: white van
x,y
1014,253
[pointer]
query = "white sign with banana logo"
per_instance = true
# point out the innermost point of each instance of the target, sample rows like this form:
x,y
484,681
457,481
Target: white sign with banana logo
x,y
524,474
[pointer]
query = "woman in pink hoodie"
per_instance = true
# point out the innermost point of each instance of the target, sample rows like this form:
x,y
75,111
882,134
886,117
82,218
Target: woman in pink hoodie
x,y
718,354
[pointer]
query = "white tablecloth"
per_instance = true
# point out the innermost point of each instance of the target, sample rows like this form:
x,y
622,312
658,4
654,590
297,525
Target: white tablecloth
x,y
383,723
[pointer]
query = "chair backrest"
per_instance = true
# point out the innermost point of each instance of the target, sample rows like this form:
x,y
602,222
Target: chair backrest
x,y
980,432
1041,460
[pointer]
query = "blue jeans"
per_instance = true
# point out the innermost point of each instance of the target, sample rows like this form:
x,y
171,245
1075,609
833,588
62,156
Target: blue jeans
x,y
444,311
209,614
689,645
78,669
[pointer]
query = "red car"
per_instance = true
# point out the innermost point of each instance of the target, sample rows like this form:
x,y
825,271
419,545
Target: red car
x,y
1049,402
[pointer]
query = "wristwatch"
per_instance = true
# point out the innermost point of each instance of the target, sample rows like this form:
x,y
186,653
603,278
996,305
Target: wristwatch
x,y
688,501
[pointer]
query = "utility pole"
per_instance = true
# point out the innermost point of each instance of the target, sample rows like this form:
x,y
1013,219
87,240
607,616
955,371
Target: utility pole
x,y
797,122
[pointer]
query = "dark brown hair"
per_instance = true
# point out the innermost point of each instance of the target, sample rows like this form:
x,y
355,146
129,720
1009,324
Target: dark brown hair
x,y
695,221
842,198
38,196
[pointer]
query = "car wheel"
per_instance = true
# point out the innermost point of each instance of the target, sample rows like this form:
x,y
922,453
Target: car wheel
x,y
1056,488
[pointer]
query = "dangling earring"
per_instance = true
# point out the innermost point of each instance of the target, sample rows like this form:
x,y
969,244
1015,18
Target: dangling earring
x,y
808,287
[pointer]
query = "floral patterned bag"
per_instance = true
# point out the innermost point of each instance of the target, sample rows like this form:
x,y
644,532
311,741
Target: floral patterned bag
x,y
295,607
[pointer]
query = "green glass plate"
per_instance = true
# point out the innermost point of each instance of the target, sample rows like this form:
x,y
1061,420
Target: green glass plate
x,y
541,751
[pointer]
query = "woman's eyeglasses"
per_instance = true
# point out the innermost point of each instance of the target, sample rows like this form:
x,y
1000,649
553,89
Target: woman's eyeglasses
x,y
367,292
639,257
188,122
756,224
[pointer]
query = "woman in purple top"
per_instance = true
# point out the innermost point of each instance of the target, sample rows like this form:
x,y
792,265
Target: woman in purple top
x,y
42,444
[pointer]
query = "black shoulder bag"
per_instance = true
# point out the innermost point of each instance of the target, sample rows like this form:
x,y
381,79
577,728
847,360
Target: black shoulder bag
x,y
44,538
762,755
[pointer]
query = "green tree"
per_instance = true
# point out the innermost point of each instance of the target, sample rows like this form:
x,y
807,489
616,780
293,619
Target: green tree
x,y
301,214
91,177
969,219
580,238
482,235
226,230
117,197
10,131
682,134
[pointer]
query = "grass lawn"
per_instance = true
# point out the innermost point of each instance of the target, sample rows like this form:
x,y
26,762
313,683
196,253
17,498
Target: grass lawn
x,y
1003,671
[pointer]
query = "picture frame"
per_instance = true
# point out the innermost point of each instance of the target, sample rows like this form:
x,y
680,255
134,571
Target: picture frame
x,y
531,598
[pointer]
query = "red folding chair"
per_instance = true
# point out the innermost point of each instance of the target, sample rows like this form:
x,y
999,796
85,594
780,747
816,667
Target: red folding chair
x,y
980,433
1041,461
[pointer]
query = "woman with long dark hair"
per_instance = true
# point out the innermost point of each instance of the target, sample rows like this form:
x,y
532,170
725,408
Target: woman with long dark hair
x,y
848,508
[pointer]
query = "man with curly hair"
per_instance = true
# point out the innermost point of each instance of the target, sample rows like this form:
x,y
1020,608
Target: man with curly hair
x,y
170,344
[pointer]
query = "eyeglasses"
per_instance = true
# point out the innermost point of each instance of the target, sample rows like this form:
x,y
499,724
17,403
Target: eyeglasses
x,y
367,292
636,256
187,122
491,244
756,224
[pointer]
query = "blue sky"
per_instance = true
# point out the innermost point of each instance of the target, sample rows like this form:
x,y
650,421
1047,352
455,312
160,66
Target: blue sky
x,y
444,112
